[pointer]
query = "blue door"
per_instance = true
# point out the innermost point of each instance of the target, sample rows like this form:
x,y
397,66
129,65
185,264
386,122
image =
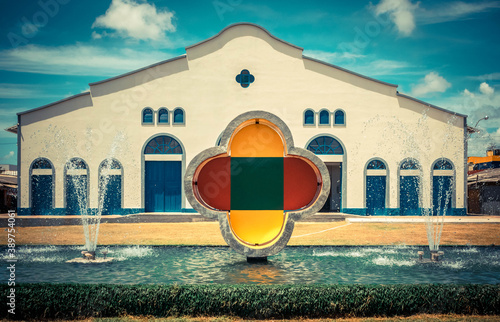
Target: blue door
x,y
111,194
408,195
76,194
41,194
375,195
441,195
163,186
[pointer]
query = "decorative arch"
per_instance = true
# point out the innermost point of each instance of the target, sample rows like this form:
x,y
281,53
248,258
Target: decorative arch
x,y
339,117
309,117
110,187
376,186
163,165
409,164
147,116
324,117
325,145
76,172
163,144
443,187
163,116
42,179
179,116
410,173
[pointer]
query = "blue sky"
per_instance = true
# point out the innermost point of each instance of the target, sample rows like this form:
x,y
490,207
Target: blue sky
x,y
443,52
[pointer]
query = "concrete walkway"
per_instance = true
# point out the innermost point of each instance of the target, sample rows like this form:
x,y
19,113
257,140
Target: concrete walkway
x,y
33,220
422,219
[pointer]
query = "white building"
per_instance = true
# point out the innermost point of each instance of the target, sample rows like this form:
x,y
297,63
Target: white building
x,y
386,152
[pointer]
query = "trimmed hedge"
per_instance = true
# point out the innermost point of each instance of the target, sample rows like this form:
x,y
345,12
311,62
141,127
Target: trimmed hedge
x,y
70,301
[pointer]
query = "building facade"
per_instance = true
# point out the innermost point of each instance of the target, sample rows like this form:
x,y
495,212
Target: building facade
x,y
124,146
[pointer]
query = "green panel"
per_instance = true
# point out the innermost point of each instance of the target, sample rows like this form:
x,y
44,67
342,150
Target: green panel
x,y
257,183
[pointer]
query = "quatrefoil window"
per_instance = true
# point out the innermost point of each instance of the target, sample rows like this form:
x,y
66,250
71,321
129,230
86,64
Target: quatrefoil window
x,y
245,78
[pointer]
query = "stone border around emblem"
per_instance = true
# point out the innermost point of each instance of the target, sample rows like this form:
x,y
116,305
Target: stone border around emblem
x,y
221,216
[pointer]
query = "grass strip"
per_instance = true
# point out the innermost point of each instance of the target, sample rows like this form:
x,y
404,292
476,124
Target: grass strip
x,y
76,301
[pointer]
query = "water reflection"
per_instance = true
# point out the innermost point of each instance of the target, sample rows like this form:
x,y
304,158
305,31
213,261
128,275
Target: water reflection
x,y
221,265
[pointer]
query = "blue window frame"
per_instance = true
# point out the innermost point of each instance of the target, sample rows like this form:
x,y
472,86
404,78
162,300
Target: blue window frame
x,y
325,145
163,145
76,187
178,116
147,116
308,117
110,187
443,165
442,188
162,116
409,189
339,118
42,186
42,164
324,117
75,164
409,164
376,165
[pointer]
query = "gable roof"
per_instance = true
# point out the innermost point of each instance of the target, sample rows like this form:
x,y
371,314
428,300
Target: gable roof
x,y
55,103
259,28
244,24
430,105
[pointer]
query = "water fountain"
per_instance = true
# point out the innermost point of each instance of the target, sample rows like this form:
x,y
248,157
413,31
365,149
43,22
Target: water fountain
x,y
414,154
91,218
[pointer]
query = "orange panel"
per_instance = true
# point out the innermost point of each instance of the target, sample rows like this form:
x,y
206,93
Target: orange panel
x,y
301,183
256,227
257,140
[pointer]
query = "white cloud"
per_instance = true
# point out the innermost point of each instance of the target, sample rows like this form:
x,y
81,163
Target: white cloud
x,y
431,83
362,64
8,156
76,60
454,11
486,77
401,12
466,92
135,20
332,57
13,91
486,89
476,105
405,14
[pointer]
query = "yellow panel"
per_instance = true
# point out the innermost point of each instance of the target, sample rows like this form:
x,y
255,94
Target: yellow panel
x,y
256,227
257,140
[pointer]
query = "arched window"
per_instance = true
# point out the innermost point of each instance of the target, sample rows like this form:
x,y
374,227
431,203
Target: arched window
x,y
110,187
443,180
409,164
41,164
325,145
42,187
324,117
339,117
163,145
376,165
376,187
147,116
443,165
179,116
162,116
409,187
309,117
76,186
